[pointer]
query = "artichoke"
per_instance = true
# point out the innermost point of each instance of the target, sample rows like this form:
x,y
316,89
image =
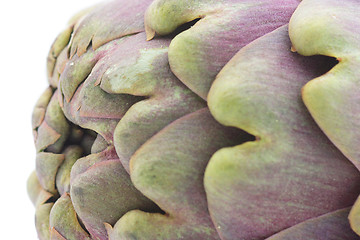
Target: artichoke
x,y
201,119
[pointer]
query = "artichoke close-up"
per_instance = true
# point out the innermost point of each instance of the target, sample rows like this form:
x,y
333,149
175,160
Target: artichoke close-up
x,y
201,120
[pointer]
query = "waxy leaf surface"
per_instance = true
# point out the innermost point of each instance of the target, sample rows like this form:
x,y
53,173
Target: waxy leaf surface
x,y
292,172
198,54
331,226
169,170
332,28
101,192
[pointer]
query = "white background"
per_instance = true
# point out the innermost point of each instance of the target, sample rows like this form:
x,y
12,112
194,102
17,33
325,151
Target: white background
x,y
27,30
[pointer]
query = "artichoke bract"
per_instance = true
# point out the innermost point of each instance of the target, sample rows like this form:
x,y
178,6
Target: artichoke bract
x,y
201,119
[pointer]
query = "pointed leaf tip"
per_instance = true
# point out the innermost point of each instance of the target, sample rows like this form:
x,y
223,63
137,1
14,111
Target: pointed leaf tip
x,y
150,33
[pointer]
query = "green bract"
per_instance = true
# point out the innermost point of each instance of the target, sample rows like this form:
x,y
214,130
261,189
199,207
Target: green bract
x,y
201,119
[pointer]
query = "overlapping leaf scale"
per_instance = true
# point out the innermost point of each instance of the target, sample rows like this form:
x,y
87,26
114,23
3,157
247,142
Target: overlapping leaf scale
x,y
39,198
53,135
86,104
63,221
117,69
49,123
333,99
99,64
331,226
52,219
100,87
59,51
59,144
101,192
58,56
141,68
108,21
292,172
169,170
198,54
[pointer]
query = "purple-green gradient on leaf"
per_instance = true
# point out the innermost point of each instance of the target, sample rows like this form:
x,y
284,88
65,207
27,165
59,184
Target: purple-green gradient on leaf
x,y
201,120
225,26
291,172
